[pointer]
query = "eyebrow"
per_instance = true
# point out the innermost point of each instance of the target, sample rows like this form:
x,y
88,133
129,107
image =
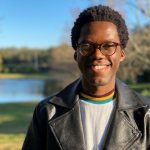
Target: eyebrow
x,y
106,41
86,41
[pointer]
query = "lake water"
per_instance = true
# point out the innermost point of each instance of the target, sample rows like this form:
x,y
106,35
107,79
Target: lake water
x,y
19,90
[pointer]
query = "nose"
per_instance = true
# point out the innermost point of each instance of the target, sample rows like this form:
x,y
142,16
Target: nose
x,y
97,54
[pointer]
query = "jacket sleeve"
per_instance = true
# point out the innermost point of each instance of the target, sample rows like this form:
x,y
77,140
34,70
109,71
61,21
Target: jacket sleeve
x,y
36,133
147,128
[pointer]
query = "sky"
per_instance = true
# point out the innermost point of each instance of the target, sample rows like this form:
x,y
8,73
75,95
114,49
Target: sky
x,y
37,23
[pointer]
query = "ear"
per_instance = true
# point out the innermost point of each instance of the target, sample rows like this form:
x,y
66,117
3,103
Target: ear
x,y
75,55
122,55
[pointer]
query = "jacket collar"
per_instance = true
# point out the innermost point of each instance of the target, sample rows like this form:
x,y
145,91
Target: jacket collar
x,y
126,97
68,96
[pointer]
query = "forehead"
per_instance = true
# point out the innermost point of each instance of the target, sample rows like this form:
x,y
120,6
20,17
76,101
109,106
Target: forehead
x,y
99,31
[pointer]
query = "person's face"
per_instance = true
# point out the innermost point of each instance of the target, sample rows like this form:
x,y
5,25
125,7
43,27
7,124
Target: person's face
x,y
98,69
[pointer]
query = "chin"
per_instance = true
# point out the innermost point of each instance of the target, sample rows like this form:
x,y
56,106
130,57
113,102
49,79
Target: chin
x,y
101,81
97,82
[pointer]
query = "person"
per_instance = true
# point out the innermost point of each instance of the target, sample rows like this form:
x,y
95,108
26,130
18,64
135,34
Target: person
x,y
97,111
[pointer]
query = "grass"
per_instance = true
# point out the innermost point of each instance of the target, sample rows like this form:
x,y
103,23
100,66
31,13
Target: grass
x,y
15,118
143,88
140,86
11,141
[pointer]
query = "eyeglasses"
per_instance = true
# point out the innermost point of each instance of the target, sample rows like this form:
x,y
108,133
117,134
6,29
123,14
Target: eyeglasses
x,y
107,48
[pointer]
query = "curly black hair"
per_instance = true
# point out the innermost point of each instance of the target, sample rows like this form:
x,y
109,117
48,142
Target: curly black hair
x,y
100,13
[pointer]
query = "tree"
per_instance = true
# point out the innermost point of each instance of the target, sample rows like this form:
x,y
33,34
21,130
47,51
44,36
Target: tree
x,y
138,56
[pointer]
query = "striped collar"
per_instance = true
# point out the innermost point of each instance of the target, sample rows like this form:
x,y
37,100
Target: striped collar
x,y
98,100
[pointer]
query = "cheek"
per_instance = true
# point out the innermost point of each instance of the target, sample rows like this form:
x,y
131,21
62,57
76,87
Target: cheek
x,y
82,64
77,56
79,61
116,61
117,64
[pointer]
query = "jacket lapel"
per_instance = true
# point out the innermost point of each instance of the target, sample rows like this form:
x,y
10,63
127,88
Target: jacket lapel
x,y
68,130
123,132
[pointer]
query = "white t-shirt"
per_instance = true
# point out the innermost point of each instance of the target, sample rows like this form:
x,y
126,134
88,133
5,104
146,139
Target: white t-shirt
x,y
96,120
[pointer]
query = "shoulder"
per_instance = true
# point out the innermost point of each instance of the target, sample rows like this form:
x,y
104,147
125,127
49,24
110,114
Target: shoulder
x,y
40,111
144,99
129,96
42,106
59,101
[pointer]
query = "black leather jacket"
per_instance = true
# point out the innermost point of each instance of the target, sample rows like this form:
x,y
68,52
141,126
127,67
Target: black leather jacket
x,y
56,123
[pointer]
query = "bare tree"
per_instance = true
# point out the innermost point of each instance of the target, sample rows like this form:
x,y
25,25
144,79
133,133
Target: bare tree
x,y
137,16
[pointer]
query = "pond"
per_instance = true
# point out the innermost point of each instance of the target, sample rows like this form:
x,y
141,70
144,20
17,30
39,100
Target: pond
x,y
20,90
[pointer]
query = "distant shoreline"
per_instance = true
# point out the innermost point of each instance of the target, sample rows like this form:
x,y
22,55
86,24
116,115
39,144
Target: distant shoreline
x,y
25,76
39,76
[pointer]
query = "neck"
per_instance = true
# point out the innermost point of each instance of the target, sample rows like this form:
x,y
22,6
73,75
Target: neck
x,y
97,91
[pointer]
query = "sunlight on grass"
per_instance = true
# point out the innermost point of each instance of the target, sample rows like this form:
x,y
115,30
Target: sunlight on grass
x,y
6,118
15,117
11,141
14,121
146,92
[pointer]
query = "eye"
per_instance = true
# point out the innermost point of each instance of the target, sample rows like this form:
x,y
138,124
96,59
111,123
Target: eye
x,y
85,46
107,46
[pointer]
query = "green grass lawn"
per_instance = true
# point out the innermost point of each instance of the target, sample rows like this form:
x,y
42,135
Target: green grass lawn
x,y
14,121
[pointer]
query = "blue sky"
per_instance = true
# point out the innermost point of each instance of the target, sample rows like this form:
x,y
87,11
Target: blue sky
x,y
36,23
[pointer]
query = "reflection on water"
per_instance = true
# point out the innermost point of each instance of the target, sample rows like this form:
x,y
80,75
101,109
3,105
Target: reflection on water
x,y
16,90
19,90
53,86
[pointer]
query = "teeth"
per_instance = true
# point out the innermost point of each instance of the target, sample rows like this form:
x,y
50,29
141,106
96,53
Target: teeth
x,y
99,67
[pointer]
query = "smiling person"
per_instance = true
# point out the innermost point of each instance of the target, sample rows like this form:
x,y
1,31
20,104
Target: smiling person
x,y
97,111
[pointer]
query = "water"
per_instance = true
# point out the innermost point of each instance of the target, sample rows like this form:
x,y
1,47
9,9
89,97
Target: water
x,y
19,90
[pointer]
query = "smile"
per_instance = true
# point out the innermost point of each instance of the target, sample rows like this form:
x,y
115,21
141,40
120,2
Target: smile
x,y
100,68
